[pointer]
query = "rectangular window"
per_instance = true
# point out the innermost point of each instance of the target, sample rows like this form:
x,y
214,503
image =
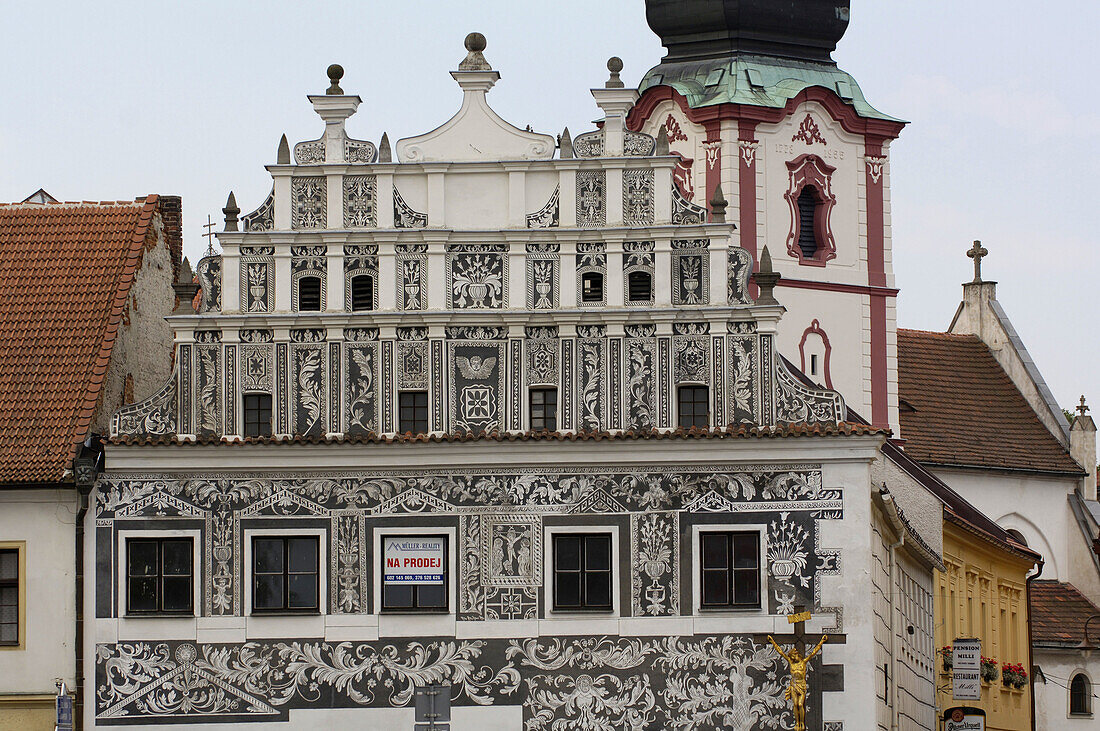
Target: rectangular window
x,y
159,576
257,415
692,405
412,412
592,287
414,573
544,409
730,570
9,596
285,574
582,572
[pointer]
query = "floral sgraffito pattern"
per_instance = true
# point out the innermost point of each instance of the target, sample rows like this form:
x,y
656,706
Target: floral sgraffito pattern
x,y
362,408
640,380
591,384
477,280
655,566
309,390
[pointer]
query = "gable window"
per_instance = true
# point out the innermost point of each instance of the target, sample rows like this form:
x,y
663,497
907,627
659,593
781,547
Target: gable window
x,y
9,597
159,576
729,569
807,222
639,287
1080,696
412,415
692,403
309,294
544,409
592,288
362,293
285,574
582,572
414,573
257,414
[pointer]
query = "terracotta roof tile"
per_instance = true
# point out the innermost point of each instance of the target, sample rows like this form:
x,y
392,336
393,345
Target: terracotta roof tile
x,y
1058,614
65,276
959,407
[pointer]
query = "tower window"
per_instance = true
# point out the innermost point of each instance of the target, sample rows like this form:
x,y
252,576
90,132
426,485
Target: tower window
x,y
257,414
362,293
309,294
592,287
639,287
813,364
807,222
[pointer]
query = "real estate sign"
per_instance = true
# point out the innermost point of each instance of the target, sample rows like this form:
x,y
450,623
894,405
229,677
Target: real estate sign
x,y
412,560
966,670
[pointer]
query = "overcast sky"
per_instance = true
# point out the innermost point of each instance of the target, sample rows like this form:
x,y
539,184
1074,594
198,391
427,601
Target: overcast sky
x,y
106,101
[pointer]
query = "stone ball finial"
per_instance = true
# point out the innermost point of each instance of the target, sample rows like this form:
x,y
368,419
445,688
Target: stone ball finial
x,y
614,65
475,42
335,73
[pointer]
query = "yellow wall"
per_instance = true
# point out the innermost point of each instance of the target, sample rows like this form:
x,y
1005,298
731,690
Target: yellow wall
x,y
983,594
27,713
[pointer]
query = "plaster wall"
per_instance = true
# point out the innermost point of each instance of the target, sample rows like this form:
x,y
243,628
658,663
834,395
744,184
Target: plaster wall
x,y
1052,696
922,509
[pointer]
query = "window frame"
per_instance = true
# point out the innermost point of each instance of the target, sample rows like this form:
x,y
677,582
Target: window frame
x,y
450,568
531,391
427,412
617,574
244,414
1088,712
123,570
584,276
630,276
697,532
20,549
320,291
351,291
250,534
679,389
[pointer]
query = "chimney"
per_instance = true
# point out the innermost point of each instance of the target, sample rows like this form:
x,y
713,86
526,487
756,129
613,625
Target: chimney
x,y
1082,447
170,208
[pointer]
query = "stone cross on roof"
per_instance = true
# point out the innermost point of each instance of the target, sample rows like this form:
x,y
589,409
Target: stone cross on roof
x,y
977,253
1082,408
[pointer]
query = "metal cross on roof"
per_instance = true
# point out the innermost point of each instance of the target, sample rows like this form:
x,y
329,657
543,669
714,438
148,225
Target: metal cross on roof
x,y
977,253
1082,408
209,235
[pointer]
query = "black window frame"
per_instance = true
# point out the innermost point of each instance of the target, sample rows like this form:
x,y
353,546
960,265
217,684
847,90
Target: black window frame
x,y
807,225
414,417
731,571
357,296
159,577
251,403
1080,697
13,584
636,276
589,293
320,293
385,608
546,410
584,606
286,573
683,417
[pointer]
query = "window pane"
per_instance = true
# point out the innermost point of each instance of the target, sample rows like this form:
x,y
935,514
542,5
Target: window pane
x,y
9,565
302,591
746,547
715,550
303,555
176,558
269,592
597,553
746,587
567,589
9,633
268,558
9,597
397,596
309,294
143,558
177,594
142,595
567,553
715,588
431,596
597,589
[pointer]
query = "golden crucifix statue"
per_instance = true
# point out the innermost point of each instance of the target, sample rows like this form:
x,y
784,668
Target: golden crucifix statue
x,y
796,691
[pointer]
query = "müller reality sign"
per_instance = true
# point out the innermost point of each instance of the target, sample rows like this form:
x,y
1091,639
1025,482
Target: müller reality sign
x,y
414,560
964,718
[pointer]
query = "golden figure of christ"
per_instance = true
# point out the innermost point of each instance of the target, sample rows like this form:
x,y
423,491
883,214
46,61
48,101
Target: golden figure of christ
x,y
796,690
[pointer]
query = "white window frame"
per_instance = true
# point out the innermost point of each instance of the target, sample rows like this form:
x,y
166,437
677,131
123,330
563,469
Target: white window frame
x,y
452,593
697,532
548,571
125,536
322,567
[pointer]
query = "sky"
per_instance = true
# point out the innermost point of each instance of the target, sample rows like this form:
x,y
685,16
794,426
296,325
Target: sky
x,y
115,100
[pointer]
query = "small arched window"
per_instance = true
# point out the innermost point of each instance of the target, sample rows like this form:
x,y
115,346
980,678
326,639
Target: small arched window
x,y
1080,696
592,287
807,222
309,294
639,286
362,293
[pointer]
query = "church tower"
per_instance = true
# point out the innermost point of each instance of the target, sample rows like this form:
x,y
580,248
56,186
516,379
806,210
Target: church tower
x,y
752,101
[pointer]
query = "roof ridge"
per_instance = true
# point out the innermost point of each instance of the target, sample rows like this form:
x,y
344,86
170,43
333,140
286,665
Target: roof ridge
x,y
56,204
937,333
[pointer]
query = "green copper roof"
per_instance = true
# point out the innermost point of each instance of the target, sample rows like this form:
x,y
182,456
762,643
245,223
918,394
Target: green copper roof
x,y
761,81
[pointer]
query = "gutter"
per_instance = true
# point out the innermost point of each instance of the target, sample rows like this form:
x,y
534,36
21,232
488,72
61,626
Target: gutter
x,y
86,467
1030,658
888,501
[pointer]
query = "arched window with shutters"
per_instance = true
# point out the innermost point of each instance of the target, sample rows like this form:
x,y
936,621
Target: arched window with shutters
x,y
639,287
1080,695
309,294
362,293
811,202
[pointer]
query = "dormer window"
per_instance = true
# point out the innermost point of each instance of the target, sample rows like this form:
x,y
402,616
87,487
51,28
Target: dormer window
x,y
309,294
639,287
807,222
592,288
362,293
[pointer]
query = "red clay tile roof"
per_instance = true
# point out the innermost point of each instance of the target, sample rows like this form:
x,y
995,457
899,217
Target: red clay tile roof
x,y
959,407
65,276
1058,614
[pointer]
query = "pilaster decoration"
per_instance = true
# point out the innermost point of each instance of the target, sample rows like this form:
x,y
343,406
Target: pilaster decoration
x,y
641,377
796,403
309,382
361,387
591,378
542,356
409,334
542,276
476,332
743,392
690,272
636,144
809,132
256,336
209,273
412,276
263,218
738,274
360,260
638,197
713,149
476,368
591,198
477,275
403,214
360,201
810,171
348,558
549,214
311,152
309,202
155,416
875,166
638,257
256,372
590,144
684,212
208,385
360,151
591,258
655,566
691,359
308,261
748,152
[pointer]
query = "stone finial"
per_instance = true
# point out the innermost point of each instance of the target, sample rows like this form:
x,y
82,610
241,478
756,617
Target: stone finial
x,y
283,156
977,253
186,290
566,145
231,212
614,65
1082,408
335,73
718,205
766,279
662,143
385,152
475,61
